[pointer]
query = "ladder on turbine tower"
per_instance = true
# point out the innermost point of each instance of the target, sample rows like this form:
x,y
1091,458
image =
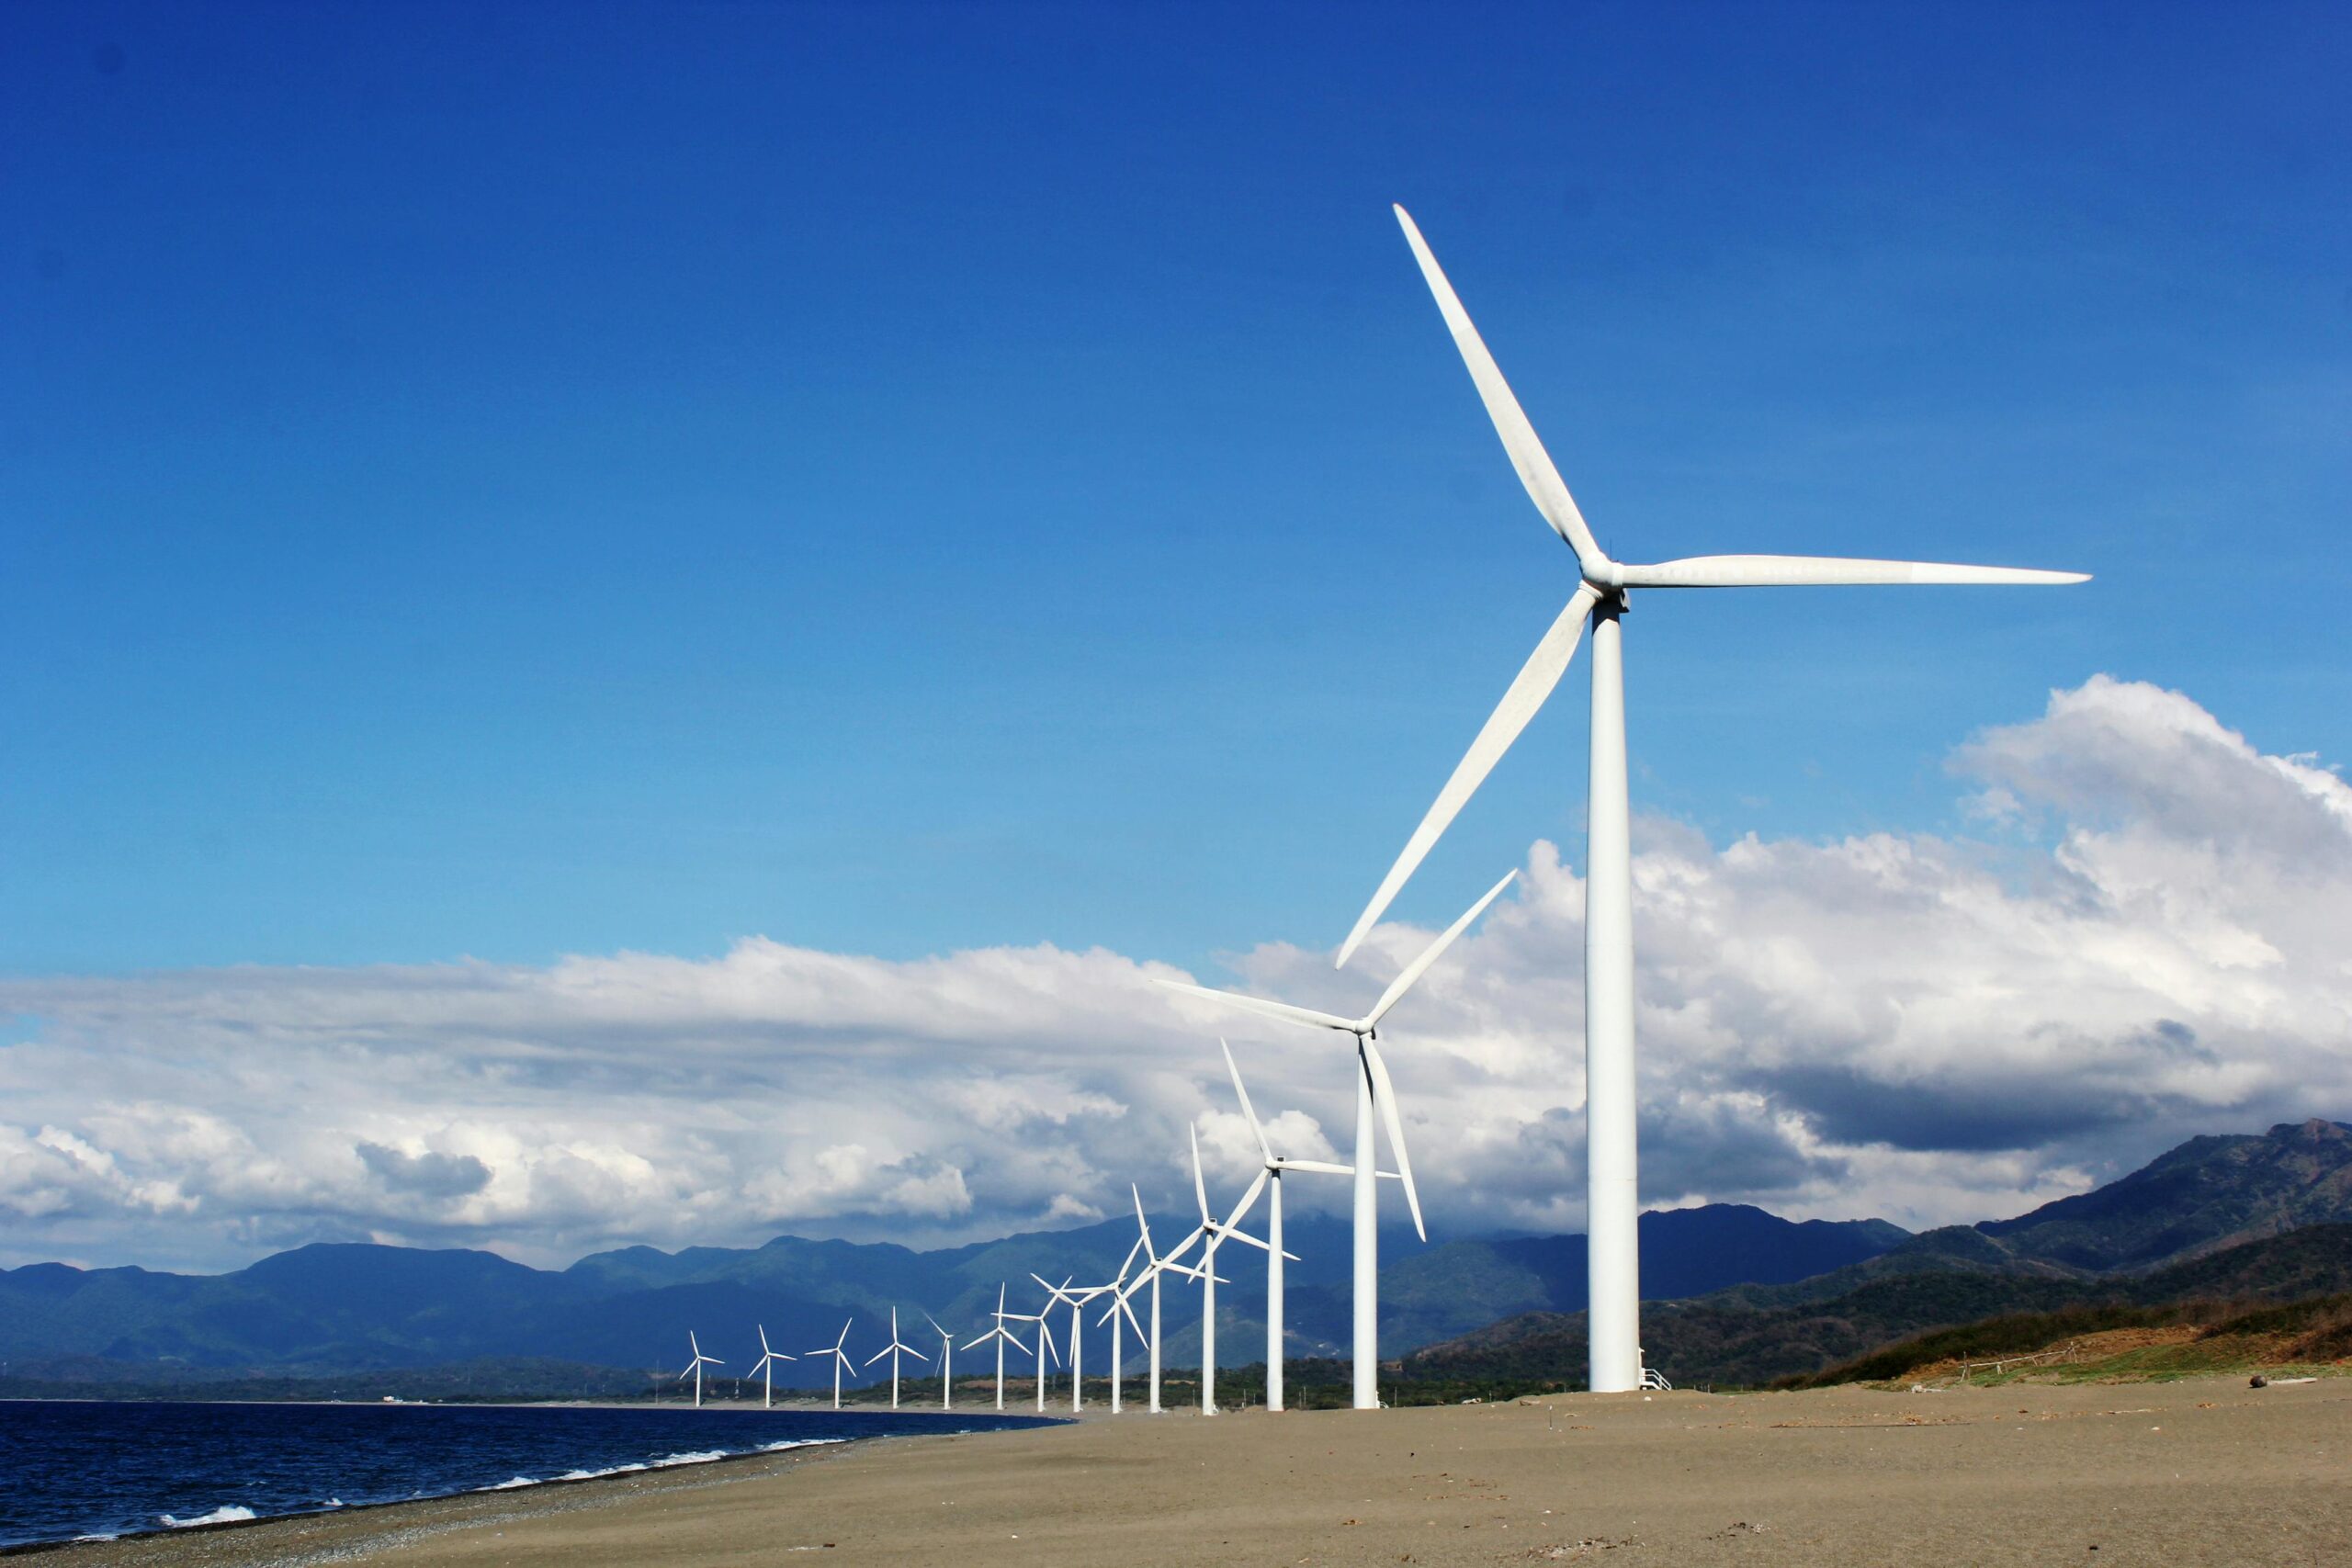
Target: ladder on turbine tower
x,y
1652,1379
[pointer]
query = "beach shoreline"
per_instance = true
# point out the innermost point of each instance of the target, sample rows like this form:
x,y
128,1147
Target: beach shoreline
x,y
2201,1471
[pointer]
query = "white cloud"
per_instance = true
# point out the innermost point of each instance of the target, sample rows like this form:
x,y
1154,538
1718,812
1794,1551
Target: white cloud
x,y
2146,942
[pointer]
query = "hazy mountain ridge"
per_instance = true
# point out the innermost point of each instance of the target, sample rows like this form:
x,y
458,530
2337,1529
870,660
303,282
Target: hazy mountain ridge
x,y
336,1308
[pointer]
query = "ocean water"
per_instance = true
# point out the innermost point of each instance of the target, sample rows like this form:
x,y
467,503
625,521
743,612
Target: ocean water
x,y
71,1468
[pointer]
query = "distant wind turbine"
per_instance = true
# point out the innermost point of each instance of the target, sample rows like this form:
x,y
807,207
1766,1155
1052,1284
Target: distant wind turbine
x,y
894,1350
1044,1345
1002,1336
1116,1290
1600,600
764,1369
1062,1295
946,1363
694,1367
839,1358
1215,1234
1373,1090
1275,1165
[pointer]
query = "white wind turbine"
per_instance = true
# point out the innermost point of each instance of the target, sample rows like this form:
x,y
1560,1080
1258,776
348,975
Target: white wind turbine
x,y
1045,1346
839,1358
1116,1290
1373,1090
694,1367
946,1363
1215,1234
1154,1267
1600,599
1002,1336
1062,1295
764,1369
894,1350
1275,1165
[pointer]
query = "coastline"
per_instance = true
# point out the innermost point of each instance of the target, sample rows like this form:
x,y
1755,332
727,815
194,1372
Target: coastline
x,y
2202,1471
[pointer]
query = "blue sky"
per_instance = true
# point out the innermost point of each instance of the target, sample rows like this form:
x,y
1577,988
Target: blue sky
x,y
517,481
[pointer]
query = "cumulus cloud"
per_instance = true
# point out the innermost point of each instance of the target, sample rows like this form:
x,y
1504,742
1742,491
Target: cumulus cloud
x,y
2140,940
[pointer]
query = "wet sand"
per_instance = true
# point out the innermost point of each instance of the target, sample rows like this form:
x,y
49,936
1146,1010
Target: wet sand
x,y
2200,1472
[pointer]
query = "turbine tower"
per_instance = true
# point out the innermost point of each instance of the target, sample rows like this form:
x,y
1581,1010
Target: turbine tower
x,y
1116,1290
1600,601
1274,1165
1002,1336
1373,1090
894,1350
765,1369
1062,1295
839,1358
694,1367
946,1363
1155,1264
1045,1346
1215,1234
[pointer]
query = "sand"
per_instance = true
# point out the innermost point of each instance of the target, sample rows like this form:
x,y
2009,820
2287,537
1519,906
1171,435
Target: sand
x,y
2199,1471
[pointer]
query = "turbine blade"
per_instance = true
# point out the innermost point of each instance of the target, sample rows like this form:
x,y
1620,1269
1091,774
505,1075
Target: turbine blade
x,y
915,1353
1528,690
1243,1095
1200,1188
879,1354
1143,1226
1383,1094
1810,571
1322,1166
1543,480
1132,1323
1420,966
1243,1207
1260,1004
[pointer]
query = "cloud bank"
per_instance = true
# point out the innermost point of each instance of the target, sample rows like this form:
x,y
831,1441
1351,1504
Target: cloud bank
x,y
2139,938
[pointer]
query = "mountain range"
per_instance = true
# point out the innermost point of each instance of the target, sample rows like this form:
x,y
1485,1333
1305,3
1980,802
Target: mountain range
x,y
2262,1216
1746,1292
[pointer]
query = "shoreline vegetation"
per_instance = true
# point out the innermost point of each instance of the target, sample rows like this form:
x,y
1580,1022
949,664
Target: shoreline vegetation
x,y
2202,1469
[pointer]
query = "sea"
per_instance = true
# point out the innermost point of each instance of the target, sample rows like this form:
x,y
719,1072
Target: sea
x,y
97,1470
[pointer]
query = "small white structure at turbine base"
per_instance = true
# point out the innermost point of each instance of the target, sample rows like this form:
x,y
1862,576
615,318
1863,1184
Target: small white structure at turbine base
x,y
1613,1198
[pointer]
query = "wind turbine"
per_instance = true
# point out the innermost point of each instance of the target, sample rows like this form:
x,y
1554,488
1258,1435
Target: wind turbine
x,y
1600,599
1373,1089
694,1367
765,1369
1002,1336
894,1350
1118,1304
1061,1295
1155,1264
1213,1235
1275,1165
1044,1345
839,1358
946,1363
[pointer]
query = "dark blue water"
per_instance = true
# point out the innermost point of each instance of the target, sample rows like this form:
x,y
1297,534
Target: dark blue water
x,y
104,1469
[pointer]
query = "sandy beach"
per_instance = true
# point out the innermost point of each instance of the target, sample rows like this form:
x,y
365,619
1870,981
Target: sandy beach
x,y
2200,1472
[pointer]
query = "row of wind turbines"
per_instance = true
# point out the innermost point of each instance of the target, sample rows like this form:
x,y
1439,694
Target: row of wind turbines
x,y
1597,604
1141,1270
